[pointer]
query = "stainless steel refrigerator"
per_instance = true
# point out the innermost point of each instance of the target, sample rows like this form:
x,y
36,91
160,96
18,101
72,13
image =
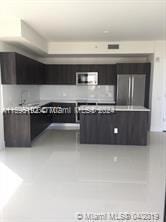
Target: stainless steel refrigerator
x,y
131,89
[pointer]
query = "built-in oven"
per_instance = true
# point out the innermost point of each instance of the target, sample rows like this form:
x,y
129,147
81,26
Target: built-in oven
x,y
78,104
86,78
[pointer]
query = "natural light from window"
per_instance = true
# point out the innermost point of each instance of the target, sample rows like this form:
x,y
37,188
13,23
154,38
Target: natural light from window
x,y
9,183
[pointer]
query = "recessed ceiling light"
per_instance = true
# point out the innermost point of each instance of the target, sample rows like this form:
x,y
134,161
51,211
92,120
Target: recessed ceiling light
x,y
106,31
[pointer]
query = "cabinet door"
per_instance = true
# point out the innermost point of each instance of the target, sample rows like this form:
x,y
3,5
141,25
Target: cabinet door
x,y
36,125
24,70
39,73
19,69
86,68
137,128
69,74
39,122
89,128
107,74
29,71
124,68
65,113
131,127
60,74
97,128
105,126
121,128
17,130
50,77
131,68
8,68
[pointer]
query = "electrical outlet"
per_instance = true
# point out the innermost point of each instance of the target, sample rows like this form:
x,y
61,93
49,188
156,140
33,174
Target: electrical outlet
x,y
115,130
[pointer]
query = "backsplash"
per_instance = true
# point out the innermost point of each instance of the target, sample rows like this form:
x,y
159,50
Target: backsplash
x,y
52,92
12,94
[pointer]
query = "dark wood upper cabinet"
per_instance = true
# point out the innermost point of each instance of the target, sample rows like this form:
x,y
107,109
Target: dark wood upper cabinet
x,y
8,68
107,75
132,68
66,74
60,74
19,69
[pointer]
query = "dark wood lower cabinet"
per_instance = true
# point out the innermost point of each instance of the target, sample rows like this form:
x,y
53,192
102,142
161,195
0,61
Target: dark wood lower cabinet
x,y
21,129
121,124
17,131
38,123
65,113
88,128
105,130
137,128
123,128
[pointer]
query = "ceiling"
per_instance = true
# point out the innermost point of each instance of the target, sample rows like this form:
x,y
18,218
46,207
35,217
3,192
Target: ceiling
x,y
91,20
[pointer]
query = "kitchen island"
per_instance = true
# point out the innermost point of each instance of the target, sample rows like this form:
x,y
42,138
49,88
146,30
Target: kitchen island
x,y
121,125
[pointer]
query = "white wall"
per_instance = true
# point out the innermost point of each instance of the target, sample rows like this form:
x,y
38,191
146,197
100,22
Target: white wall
x,y
125,47
17,31
164,89
158,87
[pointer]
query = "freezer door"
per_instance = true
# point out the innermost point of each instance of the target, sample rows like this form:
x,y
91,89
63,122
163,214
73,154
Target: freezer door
x,y
138,90
124,89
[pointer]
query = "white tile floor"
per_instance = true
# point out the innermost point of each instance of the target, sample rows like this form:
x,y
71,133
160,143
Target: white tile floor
x,y
58,177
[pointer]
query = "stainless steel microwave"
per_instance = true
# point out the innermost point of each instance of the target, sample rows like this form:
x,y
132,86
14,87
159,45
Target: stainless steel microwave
x,y
86,78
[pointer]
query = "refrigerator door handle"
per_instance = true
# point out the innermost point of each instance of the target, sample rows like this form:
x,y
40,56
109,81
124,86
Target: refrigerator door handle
x,y
129,91
132,91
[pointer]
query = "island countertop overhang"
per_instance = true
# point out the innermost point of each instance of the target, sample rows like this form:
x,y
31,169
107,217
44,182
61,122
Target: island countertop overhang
x,y
113,108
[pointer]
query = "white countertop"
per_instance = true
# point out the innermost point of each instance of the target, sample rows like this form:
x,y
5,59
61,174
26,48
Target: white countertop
x,y
38,104
113,108
84,100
